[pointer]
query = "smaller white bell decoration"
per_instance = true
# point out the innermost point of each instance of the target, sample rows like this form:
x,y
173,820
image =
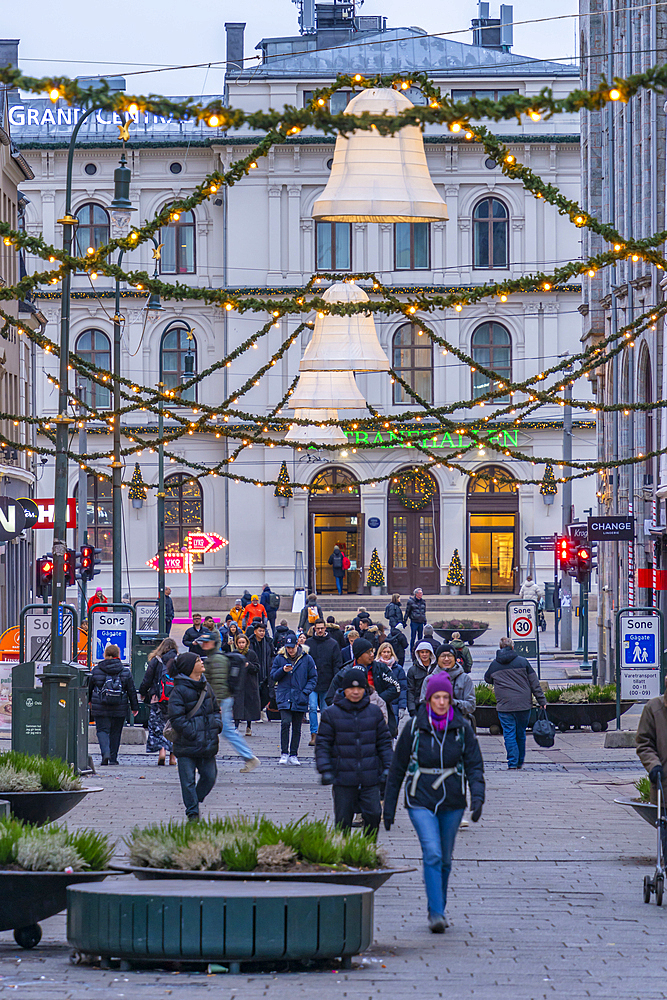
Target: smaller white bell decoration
x,y
316,434
345,341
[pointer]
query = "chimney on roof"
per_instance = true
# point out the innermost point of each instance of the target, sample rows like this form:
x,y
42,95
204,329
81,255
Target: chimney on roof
x,y
493,33
9,52
234,55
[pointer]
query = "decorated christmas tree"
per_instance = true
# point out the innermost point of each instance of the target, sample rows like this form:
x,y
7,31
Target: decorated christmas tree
x,y
548,487
455,574
137,485
283,489
375,574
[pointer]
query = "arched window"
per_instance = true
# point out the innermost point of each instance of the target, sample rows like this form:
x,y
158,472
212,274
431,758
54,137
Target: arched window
x,y
490,234
93,229
413,360
178,239
335,481
95,347
491,348
100,517
183,510
492,479
177,344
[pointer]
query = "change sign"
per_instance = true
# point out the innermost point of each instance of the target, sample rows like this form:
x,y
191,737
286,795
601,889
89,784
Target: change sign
x,y
639,655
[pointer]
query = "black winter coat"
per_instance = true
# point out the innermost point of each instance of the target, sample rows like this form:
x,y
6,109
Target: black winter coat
x,y
169,612
337,634
399,643
457,748
416,676
98,708
353,743
327,657
386,686
246,697
198,736
335,560
156,667
264,654
393,613
415,611
190,636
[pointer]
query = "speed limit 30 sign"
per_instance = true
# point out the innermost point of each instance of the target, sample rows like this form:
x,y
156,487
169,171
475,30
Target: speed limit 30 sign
x,y
522,620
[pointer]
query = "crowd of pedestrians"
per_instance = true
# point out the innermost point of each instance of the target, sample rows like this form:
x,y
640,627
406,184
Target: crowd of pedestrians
x,y
383,709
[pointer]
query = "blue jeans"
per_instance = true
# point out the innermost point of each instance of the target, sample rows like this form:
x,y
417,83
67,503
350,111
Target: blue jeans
x,y
315,701
437,833
416,633
229,731
339,584
194,794
514,731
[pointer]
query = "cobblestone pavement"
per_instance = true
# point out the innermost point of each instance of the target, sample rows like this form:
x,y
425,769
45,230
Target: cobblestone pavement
x,y
545,896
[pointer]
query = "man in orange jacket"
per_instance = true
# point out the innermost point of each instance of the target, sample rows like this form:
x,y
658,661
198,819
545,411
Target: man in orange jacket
x,y
253,610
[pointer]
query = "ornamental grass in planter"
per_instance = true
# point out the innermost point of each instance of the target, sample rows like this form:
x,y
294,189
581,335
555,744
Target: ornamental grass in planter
x,y
578,694
28,848
461,625
243,843
485,695
643,786
20,772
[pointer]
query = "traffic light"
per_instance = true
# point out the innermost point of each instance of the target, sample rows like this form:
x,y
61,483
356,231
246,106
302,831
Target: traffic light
x,y
566,552
44,575
69,567
584,562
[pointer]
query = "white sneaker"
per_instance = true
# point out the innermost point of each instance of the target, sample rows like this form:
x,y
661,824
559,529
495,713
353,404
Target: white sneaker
x,y
250,765
283,758
464,822
295,760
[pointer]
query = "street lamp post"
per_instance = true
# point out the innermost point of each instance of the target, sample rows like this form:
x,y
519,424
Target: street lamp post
x,y
56,674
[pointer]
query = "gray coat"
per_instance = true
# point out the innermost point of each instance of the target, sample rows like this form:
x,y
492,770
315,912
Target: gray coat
x,y
464,689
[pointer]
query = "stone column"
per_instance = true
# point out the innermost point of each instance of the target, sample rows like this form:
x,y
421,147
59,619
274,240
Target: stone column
x,y
293,231
274,274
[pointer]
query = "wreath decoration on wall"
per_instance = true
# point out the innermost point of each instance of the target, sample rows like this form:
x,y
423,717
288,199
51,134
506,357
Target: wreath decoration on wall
x,y
421,483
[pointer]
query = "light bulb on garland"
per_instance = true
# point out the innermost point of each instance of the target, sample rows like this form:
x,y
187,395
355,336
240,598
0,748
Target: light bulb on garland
x,y
375,576
455,578
137,487
548,488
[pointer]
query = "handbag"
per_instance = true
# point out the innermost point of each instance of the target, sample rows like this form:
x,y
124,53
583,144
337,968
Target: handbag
x,y
544,731
169,732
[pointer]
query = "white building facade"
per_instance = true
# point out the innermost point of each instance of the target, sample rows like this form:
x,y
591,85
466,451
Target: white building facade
x,y
261,237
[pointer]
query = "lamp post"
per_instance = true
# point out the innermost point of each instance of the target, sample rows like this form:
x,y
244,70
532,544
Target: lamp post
x,y
120,210
56,674
185,377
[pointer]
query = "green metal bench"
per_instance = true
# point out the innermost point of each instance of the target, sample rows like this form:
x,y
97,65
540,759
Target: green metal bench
x,y
231,922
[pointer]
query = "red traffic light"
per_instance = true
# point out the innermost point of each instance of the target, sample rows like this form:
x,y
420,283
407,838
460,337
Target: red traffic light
x,y
47,567
583,554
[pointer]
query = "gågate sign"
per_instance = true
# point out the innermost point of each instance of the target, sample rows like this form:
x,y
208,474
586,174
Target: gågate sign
x,y
639,644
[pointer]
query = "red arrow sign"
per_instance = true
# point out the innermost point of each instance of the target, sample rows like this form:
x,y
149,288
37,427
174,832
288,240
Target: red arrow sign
x,y
174,562
205,541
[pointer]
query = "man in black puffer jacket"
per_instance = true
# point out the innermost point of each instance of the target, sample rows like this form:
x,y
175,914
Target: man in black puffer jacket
x,y
353,753
111,692
327,657
197,725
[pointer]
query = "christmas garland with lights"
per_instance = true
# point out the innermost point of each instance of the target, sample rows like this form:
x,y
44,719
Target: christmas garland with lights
x,y
278,126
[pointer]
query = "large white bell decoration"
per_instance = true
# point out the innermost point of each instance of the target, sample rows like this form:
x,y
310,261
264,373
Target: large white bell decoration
x,y
326,391
313,434
376,178
345,341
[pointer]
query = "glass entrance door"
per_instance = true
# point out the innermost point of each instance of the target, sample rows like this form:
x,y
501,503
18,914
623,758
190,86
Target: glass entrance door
x,y
330,530
492,541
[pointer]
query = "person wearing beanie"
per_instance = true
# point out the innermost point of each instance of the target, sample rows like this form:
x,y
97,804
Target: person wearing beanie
x,y
463,696
353,752
423,661
430,637
195,717
252,612
381,682
295,676
111,692
439,752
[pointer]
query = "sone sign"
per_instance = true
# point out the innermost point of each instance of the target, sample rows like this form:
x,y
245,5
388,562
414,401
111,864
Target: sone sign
x,y
640,657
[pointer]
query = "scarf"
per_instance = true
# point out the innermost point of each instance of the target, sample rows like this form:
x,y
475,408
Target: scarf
x,y
440,722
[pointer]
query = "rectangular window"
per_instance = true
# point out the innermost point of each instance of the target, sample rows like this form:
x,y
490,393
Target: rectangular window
x,y
489,95
412,244
337,103
333,246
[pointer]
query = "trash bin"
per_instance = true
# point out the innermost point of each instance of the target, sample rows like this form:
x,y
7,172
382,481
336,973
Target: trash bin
x,y
27,712
140,653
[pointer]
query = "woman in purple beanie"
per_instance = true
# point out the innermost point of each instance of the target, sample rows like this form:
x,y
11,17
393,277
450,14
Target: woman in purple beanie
x,y
440,754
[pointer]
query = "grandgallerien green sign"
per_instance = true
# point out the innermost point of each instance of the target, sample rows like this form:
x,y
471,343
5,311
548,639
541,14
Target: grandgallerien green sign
x,y
427,439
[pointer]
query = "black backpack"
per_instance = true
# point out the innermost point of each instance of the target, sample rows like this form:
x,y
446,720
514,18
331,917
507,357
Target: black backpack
x,y
274,601
111,692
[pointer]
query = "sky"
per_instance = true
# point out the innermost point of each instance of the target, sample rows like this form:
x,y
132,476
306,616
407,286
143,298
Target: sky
x,y
78,38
